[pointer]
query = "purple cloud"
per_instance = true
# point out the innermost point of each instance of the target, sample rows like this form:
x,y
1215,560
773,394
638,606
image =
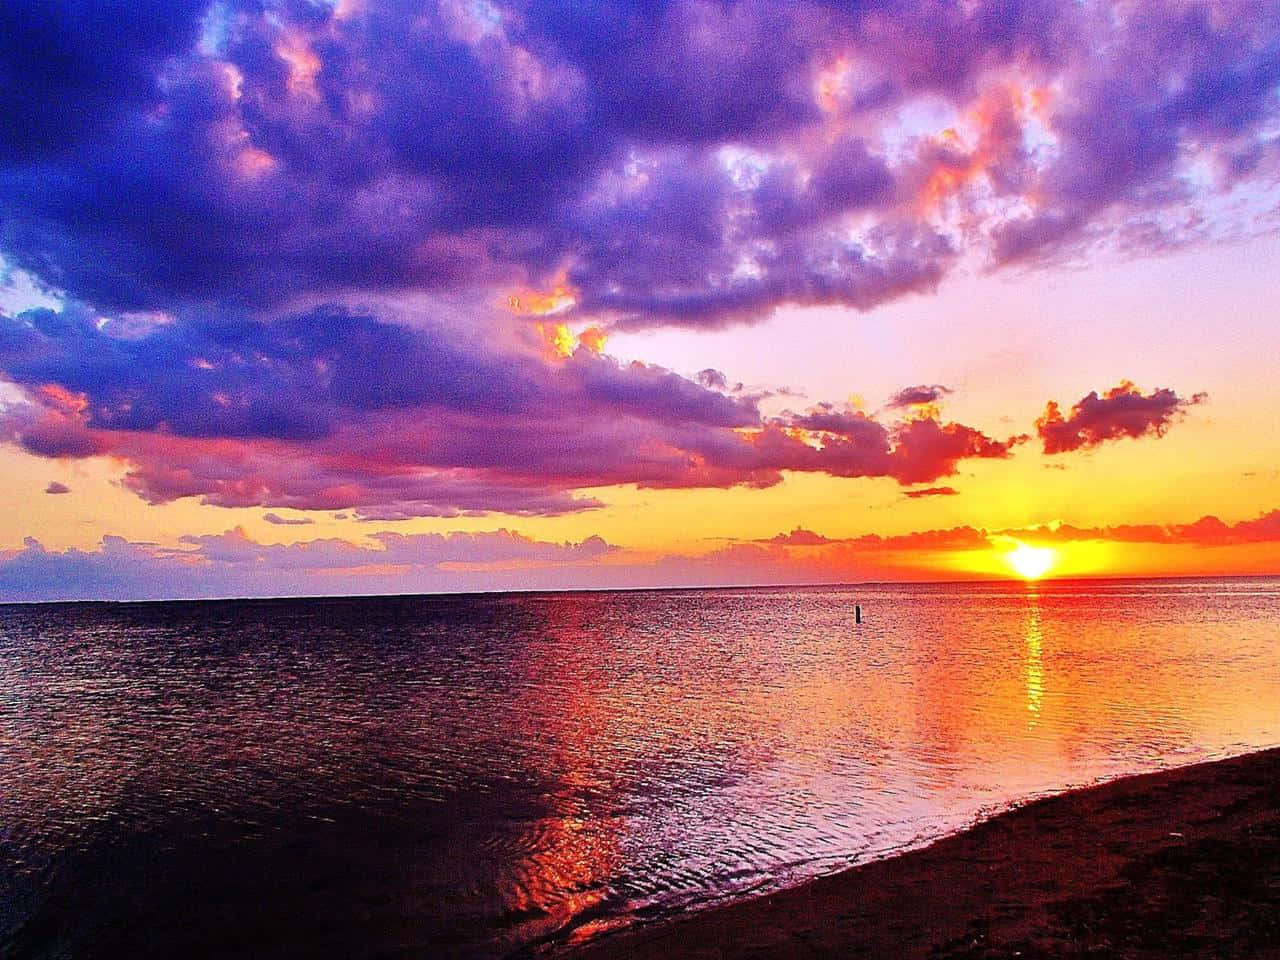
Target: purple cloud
x,y
1123,411
232,564
334,410
713,379
678,163
1208,531
56,486
918,396
200,188
276,519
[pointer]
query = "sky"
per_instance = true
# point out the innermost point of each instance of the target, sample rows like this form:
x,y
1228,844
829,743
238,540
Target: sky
x,y
370,296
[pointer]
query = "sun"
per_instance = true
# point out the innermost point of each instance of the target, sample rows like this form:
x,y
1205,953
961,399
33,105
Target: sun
x,y
1031,563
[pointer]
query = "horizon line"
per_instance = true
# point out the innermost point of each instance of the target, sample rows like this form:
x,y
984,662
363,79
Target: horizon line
x,y
686,588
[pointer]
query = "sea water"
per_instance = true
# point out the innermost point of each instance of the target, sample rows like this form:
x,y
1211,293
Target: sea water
x,y
475,776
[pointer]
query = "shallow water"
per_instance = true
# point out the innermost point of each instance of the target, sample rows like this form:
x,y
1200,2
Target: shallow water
x,y
469,776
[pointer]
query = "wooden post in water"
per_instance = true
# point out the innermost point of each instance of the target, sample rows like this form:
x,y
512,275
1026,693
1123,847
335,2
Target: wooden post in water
x,y
857,613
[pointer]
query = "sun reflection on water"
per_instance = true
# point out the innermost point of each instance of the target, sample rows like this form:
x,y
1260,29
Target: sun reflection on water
x,y
1035,658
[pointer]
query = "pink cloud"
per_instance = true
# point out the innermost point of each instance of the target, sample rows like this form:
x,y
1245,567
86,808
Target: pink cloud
x,y
328,410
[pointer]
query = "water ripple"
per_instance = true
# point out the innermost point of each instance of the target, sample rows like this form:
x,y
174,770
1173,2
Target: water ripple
x,y
467,776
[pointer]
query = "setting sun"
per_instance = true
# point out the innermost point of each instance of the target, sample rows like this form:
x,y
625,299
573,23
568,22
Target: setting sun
x,y
1031,563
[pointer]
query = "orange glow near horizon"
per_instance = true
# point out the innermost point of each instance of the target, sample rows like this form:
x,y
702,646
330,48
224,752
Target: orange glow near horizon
x,y
1034,559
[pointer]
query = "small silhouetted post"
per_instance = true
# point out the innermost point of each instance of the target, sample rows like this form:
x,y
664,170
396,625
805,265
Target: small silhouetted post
x,y
857,613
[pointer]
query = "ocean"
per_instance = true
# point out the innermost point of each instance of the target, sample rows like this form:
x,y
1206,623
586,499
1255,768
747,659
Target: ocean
x,y
487,775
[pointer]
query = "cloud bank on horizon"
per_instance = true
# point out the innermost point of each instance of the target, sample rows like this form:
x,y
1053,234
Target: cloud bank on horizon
x,y
327,255
233,564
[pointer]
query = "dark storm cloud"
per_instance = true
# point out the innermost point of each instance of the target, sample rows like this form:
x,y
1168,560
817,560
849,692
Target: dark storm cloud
x,y
71,70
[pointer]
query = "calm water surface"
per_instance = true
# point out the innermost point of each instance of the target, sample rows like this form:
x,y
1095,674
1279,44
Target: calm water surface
x,y
474,776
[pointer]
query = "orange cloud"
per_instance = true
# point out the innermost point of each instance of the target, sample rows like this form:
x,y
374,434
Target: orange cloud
x,y
593,338
559,339
531,302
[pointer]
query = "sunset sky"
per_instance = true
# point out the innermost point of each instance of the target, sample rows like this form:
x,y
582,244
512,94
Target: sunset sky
x,y
311,297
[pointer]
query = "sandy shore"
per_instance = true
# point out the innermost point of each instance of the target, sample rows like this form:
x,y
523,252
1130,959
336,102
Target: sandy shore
x,y
1183,863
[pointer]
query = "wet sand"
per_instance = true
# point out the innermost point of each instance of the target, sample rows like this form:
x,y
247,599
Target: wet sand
x,y
1182,863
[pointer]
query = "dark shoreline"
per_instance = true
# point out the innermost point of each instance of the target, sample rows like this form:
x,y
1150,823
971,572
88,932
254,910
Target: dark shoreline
x,y
1179,863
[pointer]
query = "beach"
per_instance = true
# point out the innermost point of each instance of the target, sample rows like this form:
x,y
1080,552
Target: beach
x,y
1179,863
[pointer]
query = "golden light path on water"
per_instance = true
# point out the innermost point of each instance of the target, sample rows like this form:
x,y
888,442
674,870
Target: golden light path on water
x,y
1035,657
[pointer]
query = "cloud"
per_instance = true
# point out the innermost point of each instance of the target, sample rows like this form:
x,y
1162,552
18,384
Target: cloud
x,y
235,548
799,537
334,410
853,444
232,564
713,379
281,234
1208,531
676,163
1181,77
278,520
918,396
1123,411
958,538
930,492
56,486
953,538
